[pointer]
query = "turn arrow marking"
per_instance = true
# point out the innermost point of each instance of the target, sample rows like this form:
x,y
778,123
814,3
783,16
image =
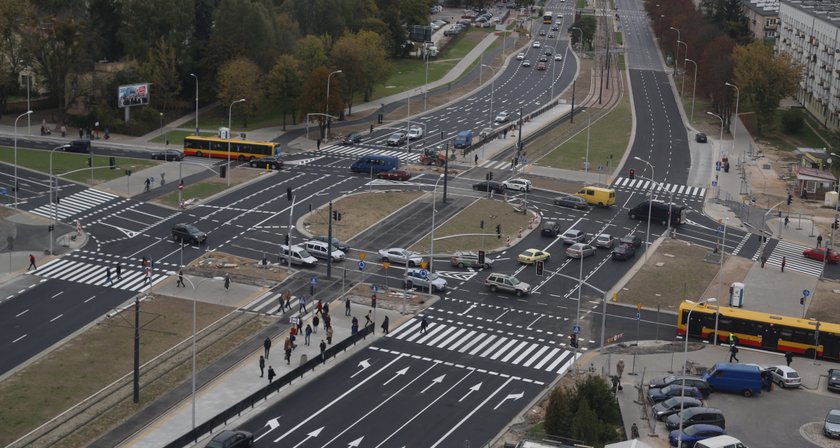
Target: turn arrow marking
x,y
309,436
399,373
364,364
472,389
437,380
513,397
272,425
355,443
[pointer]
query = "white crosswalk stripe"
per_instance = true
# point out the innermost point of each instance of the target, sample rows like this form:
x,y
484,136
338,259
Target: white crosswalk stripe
x,y
303,161
794,260
357,151
496,347
741,243
679,191
75,204
495,164
95,274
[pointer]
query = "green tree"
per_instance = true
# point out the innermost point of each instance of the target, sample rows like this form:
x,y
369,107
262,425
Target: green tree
x,y
55,51
313,96
311,52
588,26
792,121
284,85
146,21
246,28
103,25
764,79
161,69
288,33
558,413
363,62
240,78
13,13
585,424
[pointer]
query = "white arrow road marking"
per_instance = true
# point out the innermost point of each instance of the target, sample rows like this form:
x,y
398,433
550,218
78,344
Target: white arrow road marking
x,y
364,364
467,310
437,380
355,443
458,425
128,233
272,425
472,389
309,436
513,397
399,372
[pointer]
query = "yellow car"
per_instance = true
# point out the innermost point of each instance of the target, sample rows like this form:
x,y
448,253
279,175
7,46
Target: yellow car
x,y
532,256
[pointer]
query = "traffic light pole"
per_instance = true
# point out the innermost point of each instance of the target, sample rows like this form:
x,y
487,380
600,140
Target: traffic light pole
x,y
329,242
289,234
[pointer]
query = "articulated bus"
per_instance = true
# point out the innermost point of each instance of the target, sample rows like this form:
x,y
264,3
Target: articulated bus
x,y
762,330
242,150
547,17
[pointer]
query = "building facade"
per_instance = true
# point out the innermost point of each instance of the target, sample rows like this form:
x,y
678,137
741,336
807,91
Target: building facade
x,y
762,19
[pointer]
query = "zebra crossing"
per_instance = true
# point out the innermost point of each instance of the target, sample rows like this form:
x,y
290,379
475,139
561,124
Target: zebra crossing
x,y
268,303
495,164
306,161
741,244
794,260
75,204
94,274
494,347
683,192
357,151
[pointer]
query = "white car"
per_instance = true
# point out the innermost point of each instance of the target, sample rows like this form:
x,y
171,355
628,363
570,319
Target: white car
x,y
400,255
517,183
526,63
558,57
785,376
536,44
520,56
502,117
415,132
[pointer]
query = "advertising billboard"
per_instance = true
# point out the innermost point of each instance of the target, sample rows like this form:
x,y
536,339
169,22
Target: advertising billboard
x,y
133,95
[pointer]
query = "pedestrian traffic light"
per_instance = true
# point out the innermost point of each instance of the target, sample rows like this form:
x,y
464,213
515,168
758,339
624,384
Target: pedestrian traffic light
x,y
286,239
51,228
802,300
539,265
499,231
790,199
481,224
373,300
289,193
481,257
573,340
632,174
90,161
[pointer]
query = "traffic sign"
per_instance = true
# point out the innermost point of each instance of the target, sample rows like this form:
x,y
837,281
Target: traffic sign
x,y
362,265
717,165
362,256
4,191
374,287
638,316
714,183
576,329
313,280
424,273
600,167
386,264
423,264
806,293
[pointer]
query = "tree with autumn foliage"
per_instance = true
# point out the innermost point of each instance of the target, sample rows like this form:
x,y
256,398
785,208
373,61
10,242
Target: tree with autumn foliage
x,y
764,79
313,98
240,78
284,85
363,60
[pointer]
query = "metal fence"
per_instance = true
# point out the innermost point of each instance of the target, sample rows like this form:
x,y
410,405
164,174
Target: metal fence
x,y
249,402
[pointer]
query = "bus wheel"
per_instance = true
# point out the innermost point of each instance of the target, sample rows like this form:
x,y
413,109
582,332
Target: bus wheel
x,y
198,154
810,353
241,158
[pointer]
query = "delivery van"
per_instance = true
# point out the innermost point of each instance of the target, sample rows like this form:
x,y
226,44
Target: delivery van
x,y
659,212
375,163
603,197
463,139
742,379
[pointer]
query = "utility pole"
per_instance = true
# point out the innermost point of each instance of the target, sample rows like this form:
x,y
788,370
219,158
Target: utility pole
x,y
329,241
445,173
519,138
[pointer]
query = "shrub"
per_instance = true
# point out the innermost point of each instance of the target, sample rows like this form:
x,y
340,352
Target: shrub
x,y
792,121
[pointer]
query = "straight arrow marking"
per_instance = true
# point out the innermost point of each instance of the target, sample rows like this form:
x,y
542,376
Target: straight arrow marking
x,y
437,380
458,425
399,373
309,436
472,389
355,443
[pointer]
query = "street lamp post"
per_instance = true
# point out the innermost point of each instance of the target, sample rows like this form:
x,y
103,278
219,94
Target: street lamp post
x,y
735,126
327,105
693,87
432,248
678,50
650,204
685,362
492,88
230,111
720,274
29,108
15,184
54,192
195,293
682,88
196,102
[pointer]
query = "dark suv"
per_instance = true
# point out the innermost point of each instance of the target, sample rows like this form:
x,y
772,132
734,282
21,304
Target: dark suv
x,y
694,416
488,185
232,439
188,233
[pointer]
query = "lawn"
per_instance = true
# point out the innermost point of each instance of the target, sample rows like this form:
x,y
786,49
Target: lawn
x,y
619,38
358,212
774,135
39,160
176,137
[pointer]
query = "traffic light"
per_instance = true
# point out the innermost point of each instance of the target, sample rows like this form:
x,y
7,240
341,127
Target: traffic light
x,y
336,216
481,224
802,300
57,199
836,224
112,162
632,174
289,193
223,171
499,231
540,266
128,172
286,239
90,161
373,300
573,340
51,228
481,257
790,199
489,175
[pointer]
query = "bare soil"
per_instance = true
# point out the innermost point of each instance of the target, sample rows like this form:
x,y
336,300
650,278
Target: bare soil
x,y
241,269
825,302
358,212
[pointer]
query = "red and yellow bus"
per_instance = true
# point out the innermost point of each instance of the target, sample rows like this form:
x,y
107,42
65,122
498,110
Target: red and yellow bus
x,y
547,17
242,150
762,330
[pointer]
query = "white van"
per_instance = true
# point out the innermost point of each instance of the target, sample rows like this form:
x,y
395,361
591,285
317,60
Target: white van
x,y
720,442
320,249
300,256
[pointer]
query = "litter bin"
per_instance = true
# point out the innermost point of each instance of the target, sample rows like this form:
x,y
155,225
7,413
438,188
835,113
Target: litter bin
x,y
303,359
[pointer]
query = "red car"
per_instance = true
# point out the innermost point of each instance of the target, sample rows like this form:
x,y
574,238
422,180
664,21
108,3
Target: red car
x,y
819,255
394,175
541,66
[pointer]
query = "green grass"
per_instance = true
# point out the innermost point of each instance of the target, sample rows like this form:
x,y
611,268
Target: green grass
x,y
411,73
581,4
774,134
176,137
63,162
621,65
217,117
619,38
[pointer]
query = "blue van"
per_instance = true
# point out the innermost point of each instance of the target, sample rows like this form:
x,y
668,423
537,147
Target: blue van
x,y
375,163
737,378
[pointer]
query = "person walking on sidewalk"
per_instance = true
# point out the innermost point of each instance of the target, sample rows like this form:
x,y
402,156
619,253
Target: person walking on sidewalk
x,y
227,282
319,308
329,335
784,262
476,159
788,358
307,334
32,263
271,374
315,322
180,280
619,368
368,320
819,241
763,260
323,346
733,353
288,354
267,346
287,300
262,365
347,306
423,325
301,305
787,221
385,325
327,321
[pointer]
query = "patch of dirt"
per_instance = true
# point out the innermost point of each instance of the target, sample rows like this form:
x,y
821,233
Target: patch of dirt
x,y
395,298
240,269
825,302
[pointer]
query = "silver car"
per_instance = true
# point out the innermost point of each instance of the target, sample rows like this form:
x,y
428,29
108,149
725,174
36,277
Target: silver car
x,y
605,240
400,255
507,283
414,279
580,250
573,236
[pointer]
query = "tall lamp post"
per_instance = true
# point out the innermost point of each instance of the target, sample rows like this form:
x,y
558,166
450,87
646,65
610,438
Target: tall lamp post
x,y
650,204
15,184
685,362
432,249
196,102
492,88
720,274
735,126
327,102
679,42
195,293
677,50
693,87
230,111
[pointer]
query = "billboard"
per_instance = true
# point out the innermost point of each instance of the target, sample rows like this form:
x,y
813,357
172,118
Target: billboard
x,y
133,95
419,33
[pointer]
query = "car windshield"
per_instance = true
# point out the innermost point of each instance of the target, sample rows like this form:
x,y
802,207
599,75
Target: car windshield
x,y
191,229
833,418
671,402
669,379
668,389
514,281
304,254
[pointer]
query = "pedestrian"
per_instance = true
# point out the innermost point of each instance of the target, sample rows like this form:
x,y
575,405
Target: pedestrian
x,y
634,431
326,308
619,368
262,365
300,326
144,262
819,241
293,335
108,276
787,221
731,338
288,355
32,263
148,278
512,162
318,143
784,262
368,320
267,346
119,271
81,133
788,358
347,306
180,279
227,281
307,334
323,346
423,325
271,374
763,260
476,159
147,183
301,305
288,300
315,322
327,321
354,327
329,335
319,307
385,325
733,352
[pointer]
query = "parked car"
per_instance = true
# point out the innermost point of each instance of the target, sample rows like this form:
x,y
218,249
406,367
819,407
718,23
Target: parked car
x,y
550,228
655,395
694,416
571,201
414,279
541,66
700,137
671,406
517,183
415,132
831,426
819,255
623,252
604,240
464,259
168,155
489,185
690,380
353,137
580,250
573,236
632,240
400,255
188,233
503,116
340,245
231,439
833,383
396,139
785,377
273,162
394,175
520,56
526,63
693,434
507,283
531,256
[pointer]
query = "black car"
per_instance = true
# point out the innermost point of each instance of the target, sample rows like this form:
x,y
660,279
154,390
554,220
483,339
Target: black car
x,y
700,137
550,228
340,245
168,155
353,137
273,162
690,380
188,233
82,146
631,240
624,252
833,380
672,405
489,185
232,439
571,201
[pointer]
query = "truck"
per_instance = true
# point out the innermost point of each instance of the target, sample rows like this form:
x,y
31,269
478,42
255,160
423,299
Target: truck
x,y
463,139
433,156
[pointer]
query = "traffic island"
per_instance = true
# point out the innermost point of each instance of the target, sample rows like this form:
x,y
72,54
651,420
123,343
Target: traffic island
x,y
239,269
392,297
358,213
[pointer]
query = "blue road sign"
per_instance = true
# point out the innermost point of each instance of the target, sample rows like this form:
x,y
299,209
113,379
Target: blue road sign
x,y
4,191
362,265
424,273
717,166
576,329
638,316
714,183
313,280
374,287
806,293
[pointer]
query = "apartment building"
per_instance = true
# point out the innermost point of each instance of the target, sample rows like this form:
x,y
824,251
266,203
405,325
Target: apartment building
x,y
762,18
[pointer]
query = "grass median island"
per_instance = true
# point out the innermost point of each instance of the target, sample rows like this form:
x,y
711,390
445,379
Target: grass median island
x,y
468,220
63,162
358,212
103,354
